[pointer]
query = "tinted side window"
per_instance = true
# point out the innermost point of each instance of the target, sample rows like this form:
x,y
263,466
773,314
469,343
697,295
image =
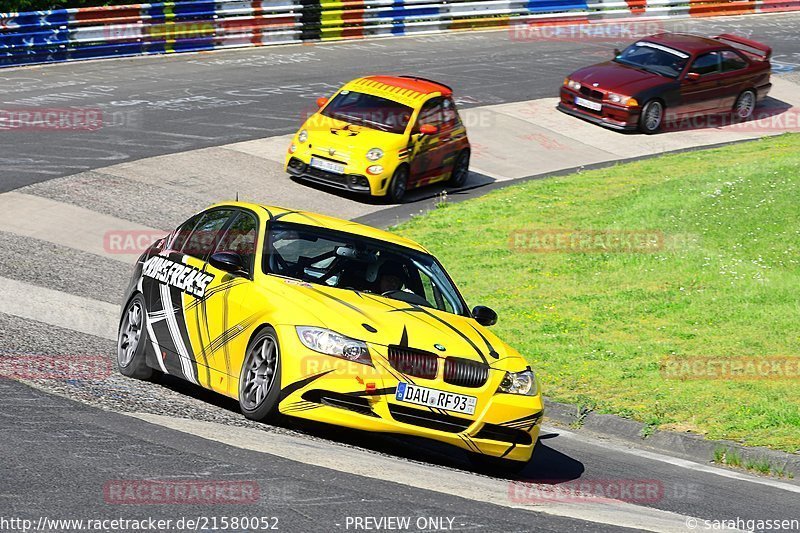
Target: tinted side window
x,y
182,233
706,64
732,61
207,233
451,118
240,238
431,113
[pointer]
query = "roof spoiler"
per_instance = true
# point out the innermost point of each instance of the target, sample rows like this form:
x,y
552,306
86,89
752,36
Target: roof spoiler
x,y
428,80
748,46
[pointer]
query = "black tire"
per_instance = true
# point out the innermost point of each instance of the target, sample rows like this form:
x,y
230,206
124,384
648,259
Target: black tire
x,y
745,105
398,185
260,377
460,172
132,340
652,117
495,465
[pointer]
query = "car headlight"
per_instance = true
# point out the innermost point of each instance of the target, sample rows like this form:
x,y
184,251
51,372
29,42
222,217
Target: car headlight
x,y
523,383
621,99
374,154
331,343
572,84
302,136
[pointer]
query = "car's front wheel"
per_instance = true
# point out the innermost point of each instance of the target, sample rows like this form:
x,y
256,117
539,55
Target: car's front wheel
x,y
458,176
652,117
260,378
745,105
398,185
132,339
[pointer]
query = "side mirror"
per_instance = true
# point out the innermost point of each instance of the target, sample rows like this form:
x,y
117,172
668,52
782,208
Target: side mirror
x,y
428,129
693,76
617,52
485,316
228,262
321,101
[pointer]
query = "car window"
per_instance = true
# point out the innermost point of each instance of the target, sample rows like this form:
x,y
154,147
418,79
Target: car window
x,y
240,238
706,64
732,61
655,58
182,233
207,232
431,113
369,110
450,115
350,262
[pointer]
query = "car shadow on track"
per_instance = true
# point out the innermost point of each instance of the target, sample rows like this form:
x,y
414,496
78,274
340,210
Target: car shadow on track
x,y
436,190
548,465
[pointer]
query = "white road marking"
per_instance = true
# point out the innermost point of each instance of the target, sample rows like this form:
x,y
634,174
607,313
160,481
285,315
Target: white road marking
x,y
58,308
427,477
675,461
66,225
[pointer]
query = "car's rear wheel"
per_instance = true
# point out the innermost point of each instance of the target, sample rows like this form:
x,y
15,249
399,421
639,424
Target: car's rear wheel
x,y
458,176
132,340
495,465
398,185
260,378
745,105
652,117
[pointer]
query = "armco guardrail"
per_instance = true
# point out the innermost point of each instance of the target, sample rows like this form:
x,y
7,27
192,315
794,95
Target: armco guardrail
x,y
196,25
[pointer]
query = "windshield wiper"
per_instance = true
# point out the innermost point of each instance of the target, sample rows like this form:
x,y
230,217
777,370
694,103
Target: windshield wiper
x,y
362,121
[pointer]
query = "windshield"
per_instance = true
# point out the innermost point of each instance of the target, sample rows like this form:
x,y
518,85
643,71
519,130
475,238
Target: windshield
x,y
350,262
370,111
654,58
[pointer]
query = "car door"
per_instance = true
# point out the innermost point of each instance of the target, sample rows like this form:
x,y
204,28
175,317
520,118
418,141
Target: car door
x,y
453,137
217,319
733,79
178,279
428,150
701,94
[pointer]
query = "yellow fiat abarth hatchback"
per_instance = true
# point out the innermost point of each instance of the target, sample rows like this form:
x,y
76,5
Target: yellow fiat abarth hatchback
x,y
383,135
310,316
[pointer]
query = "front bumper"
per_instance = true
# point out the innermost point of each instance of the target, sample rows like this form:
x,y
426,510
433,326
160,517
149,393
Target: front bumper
x,y
357,183
611,116
335,391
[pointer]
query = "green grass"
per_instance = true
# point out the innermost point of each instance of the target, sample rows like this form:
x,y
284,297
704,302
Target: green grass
x,y
597,327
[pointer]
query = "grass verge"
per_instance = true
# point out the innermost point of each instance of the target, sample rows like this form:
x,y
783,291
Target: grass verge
x,y
723,285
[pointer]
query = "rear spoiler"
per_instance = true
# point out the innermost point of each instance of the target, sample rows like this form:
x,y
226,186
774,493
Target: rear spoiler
x,y
754,49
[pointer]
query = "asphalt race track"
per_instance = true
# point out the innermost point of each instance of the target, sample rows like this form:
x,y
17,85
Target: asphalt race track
x,y
64,440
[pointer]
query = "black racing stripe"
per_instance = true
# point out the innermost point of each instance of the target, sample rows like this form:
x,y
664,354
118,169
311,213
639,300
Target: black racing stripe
x,y
376,392
183,329
404,338
524,419
491,349
471,445
224,286
455,329
342,302
297,385
513,445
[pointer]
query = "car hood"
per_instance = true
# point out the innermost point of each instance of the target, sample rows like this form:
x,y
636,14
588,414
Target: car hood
x,y
353,314
325,133
617,78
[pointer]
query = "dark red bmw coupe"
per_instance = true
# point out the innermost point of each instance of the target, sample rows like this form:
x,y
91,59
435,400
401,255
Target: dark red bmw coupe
x,y
670,76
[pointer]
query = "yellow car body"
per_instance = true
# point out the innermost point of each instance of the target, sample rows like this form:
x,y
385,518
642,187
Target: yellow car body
x,y
198,318
339,145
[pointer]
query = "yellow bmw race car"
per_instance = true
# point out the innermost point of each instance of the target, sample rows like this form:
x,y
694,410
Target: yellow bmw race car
x,y
382,135
315,317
